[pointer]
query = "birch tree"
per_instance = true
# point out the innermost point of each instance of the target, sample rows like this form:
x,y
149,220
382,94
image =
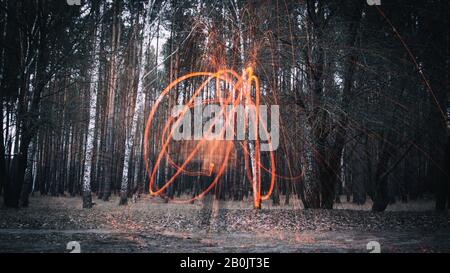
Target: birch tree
x,y
93,93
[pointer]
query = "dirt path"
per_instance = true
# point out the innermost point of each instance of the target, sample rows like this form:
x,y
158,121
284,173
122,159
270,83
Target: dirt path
x,y
19,240
150,226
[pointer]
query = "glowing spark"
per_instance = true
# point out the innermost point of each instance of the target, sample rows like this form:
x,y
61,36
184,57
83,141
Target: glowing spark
x,y
240,92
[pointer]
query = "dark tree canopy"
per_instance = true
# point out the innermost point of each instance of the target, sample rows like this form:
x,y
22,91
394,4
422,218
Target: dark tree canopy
x,y
362,90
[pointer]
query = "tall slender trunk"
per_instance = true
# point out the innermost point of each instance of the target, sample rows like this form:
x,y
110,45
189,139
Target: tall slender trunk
x,y
91,130
253,153
137,106
3,171
109,165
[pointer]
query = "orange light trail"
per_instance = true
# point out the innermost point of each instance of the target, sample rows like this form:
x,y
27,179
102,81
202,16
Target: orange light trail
x,y
240,94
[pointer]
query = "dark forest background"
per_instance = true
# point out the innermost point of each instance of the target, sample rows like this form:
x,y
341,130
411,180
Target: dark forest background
x,y
363,93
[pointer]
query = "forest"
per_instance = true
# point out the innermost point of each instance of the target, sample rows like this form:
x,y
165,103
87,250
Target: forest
x,y
362,92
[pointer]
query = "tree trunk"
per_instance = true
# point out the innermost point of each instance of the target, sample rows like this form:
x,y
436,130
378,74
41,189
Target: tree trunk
x,y
91,130
109,164
28,180
137,100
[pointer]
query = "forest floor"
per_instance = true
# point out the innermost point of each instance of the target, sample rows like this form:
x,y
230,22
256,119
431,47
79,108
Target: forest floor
x,y
150,225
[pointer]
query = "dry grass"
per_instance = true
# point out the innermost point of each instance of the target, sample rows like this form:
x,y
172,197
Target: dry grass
x,y
146,202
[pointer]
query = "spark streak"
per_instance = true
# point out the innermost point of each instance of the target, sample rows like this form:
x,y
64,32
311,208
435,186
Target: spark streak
x,y
240,92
